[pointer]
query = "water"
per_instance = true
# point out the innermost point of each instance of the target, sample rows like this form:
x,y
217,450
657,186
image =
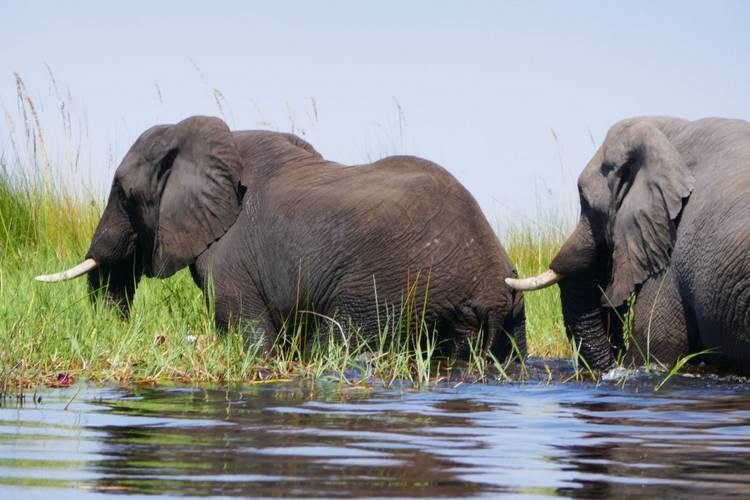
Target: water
x,y
692,438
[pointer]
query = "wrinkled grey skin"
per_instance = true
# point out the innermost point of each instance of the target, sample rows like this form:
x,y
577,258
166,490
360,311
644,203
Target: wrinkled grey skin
x,y
665,213
278,229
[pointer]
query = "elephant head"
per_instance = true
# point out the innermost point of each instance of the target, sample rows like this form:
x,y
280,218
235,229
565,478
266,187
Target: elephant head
x,y
176,192
631,194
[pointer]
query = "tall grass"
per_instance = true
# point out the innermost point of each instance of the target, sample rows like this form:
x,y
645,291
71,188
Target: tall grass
x,y
531,249
53,334
48,330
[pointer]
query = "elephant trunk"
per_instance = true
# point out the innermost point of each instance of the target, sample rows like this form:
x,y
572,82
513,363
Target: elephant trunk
x,y
577,254
578,270
113,247
114,264
586,321
117,283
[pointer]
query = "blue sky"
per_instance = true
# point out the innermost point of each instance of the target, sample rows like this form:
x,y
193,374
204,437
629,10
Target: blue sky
x,y
475,86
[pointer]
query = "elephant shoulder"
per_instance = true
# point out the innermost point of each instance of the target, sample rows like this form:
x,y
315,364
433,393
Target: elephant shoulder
x,y
670,126
421,184
268,139
265,153
408,169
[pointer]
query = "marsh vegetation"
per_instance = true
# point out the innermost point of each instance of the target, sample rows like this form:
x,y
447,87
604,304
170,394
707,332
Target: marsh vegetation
x,y
53,334
49,330
47,219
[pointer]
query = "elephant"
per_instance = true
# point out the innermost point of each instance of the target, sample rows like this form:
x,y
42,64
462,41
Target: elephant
x,y
664,234
276,231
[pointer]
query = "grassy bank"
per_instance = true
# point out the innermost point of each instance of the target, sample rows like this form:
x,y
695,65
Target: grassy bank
x,y
51,334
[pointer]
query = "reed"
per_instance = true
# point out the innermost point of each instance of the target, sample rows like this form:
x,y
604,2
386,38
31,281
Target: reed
x,y
54,332
55,335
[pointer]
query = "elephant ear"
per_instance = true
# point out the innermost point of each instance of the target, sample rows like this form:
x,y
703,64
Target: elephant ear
x,y
199,201
648,180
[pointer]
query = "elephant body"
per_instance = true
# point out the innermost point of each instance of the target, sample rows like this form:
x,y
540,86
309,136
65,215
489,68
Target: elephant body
x,y
665,215
705,298
337,240
275,231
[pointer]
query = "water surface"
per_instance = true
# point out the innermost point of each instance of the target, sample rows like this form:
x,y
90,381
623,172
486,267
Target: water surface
x,y
692,438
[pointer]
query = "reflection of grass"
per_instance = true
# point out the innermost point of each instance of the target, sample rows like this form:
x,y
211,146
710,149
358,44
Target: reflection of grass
x,y
17,463
40,482
165,464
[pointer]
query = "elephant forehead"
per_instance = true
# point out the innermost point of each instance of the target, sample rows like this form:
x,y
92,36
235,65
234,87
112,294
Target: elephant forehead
x,y
129,161
137,179
148,148
154,143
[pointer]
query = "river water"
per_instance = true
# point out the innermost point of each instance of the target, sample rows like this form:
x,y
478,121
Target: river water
x,y
691,438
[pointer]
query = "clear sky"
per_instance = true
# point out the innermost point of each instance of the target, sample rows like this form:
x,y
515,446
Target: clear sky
x,y
478,87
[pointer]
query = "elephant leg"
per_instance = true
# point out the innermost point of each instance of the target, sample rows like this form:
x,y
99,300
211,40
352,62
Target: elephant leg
x,y
515,327
501,329
505,328
661,329
244,310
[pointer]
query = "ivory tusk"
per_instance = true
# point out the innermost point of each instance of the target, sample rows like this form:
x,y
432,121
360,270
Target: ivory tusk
x,y
547,278
74,272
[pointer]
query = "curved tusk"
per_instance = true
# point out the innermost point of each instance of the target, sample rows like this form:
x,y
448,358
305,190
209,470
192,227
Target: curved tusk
x,y
547,278
74,272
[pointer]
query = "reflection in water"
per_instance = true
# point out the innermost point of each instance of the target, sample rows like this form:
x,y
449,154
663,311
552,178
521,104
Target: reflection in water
x,y
299,439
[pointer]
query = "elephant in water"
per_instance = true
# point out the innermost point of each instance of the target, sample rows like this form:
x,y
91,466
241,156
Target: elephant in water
x,y
277,229
665,214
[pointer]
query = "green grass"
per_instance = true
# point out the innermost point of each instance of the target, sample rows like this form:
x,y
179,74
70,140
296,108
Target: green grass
x,y
531,248
52,329
52,334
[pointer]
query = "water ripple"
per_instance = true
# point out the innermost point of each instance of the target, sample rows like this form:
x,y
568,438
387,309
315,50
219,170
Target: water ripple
x,y
532,439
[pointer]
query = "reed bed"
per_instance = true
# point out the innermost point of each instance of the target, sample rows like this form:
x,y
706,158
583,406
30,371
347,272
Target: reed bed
x,y
55,335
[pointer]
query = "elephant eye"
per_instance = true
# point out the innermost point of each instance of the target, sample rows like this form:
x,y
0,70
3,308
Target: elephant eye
x,y
623,181
584,203
241,190
627,168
